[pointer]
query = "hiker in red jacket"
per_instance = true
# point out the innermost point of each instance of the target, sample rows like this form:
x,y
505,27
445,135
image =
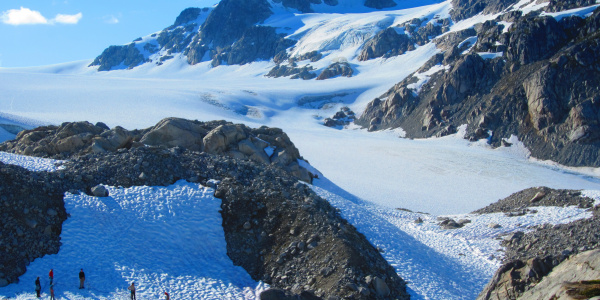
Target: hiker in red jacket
x,y
167,294
51,276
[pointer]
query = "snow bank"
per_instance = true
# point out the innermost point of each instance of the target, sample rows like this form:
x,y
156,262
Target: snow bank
x,y
165,239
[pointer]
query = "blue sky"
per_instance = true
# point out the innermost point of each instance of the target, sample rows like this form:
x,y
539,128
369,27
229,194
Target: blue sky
x,y
43,32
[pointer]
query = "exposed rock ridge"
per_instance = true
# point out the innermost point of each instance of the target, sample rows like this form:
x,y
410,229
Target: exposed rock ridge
x,y
537,81
289,237
216,137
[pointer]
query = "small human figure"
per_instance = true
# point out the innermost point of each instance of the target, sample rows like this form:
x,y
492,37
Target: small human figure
x,y
81,279
38,287
132,289
167,294
51,276
52,292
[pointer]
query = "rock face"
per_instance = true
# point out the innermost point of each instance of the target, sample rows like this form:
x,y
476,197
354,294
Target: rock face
x,y
127,56
539,87
389,42
216,137
530,257
336,69
464,9
285,235
576,276
31,219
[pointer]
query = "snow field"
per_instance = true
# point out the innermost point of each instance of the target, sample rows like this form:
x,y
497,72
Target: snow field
x,y
165,239
439,263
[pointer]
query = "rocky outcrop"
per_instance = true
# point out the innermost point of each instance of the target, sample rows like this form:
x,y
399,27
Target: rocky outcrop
x,y
561,5
285,235
537,196
336,69
574,278
530,257
257,43
31,219
539,88
343,117
464,9
216,137
386,42
295,72
389,42
113,57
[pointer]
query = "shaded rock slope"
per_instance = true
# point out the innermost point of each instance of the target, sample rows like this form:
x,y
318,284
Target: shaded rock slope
x,y
530,257
537,80
276,227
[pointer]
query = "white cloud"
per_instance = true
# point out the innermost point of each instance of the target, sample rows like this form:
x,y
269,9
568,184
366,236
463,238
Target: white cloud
x,y
22,16
26,16
111,19
67,19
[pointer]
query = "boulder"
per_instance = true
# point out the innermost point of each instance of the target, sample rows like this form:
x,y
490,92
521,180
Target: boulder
x,y
336,69
176,132
99,191
570,279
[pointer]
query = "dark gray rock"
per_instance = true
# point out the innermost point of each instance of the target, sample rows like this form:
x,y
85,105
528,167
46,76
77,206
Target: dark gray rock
x,y
99,191
114,56
379,4
335,256
561,5
464,9
386,42
295,72
336,69
537,196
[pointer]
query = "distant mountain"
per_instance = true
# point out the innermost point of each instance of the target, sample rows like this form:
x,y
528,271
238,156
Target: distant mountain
x,y
232,32
532,74
504,68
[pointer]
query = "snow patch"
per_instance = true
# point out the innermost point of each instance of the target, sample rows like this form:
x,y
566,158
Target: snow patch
x,y
36,164
490,55
165,239
423,78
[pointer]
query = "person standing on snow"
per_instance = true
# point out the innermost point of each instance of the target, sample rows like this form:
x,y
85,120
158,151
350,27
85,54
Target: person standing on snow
x,y
81,279
51,276
167,294
132,289
52,292
38,287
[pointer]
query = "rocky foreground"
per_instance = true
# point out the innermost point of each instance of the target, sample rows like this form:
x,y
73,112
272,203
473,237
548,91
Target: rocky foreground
x,y
276,227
